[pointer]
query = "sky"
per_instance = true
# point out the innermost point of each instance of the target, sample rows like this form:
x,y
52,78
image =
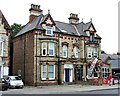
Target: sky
x,y
104,14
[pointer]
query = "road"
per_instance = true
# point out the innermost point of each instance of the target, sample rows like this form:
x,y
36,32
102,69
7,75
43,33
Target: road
x,y
64,90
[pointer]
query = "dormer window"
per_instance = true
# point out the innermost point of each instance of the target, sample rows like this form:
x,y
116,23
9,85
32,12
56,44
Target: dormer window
x,y
49,31
91,37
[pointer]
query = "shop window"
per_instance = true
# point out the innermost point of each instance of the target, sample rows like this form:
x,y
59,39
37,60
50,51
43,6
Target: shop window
x,y
105,72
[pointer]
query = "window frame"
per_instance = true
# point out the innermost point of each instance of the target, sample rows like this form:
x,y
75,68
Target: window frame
x,y
1,48
44,48
42,71
53,72
48,28
105,72
75,51
64,50
89,52
51,48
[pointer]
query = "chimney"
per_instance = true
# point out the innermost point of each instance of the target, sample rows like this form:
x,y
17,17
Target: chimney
x,y
73,19
35,11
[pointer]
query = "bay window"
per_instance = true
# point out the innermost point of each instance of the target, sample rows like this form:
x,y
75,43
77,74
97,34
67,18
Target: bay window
x,y
43,72
51,73
95,52
89,52
44,49
51,49
64,51
75,51
1,48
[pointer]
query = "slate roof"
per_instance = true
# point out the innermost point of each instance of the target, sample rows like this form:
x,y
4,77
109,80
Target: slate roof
x,y
112,59
73,29
6,25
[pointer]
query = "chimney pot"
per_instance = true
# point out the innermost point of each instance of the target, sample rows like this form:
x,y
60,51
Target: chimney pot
x,y
73,19
35,11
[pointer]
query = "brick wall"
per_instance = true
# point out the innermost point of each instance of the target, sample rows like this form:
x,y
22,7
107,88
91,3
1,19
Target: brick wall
x,y
23,57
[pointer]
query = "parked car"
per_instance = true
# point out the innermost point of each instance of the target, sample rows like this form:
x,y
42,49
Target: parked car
x,y
3,84
15,82
116,78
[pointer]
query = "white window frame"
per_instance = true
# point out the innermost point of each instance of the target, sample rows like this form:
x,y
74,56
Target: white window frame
x,y
50,30
43,71
89,52
51,47
105,72
53,72
75,51
44,47
1,48
65,51
95,52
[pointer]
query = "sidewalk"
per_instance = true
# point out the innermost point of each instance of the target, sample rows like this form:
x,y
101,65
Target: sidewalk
x,y
67,88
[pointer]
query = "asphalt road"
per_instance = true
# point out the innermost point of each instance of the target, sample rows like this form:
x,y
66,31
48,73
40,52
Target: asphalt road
x,y
70,90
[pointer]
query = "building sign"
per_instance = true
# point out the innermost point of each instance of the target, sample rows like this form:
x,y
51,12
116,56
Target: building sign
x,y
90,70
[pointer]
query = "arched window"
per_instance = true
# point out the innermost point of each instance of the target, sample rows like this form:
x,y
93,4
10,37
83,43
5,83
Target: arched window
x,y
64,51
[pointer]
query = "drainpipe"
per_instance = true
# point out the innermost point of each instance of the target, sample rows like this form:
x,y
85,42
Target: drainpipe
x,y
59,66
36,61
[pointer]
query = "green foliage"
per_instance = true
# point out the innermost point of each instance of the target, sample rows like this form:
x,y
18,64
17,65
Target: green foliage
x,y
103,52
15,29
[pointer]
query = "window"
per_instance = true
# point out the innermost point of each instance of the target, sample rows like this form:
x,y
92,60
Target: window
x,y
96,71
51,73
64,51
51,49
95,52
89,52
43,72
105,72
44,48
75,51
1,48
91,37
49,31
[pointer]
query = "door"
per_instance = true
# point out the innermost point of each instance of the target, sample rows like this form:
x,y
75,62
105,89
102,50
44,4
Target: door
x,y
67,75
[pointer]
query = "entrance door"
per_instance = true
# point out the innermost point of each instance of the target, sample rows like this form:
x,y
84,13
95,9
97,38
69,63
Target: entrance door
x,y
67,75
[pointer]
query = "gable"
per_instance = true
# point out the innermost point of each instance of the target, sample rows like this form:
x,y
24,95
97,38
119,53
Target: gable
x,y
92,28
48,20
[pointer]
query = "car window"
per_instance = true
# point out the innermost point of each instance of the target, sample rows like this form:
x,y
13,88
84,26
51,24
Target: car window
x,y
15,78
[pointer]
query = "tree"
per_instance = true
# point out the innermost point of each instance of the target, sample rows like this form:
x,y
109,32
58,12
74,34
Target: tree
x,y
103,52
15,29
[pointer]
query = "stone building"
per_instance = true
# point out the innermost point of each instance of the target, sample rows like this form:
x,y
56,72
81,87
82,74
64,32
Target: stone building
x,y
4,46
54,52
